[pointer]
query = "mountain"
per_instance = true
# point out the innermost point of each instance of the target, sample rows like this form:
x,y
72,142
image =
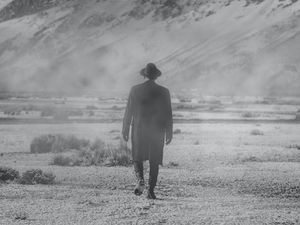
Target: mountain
x,y
230,47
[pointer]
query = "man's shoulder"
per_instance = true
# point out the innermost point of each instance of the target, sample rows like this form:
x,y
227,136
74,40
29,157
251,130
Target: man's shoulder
x,y
163,89
143,86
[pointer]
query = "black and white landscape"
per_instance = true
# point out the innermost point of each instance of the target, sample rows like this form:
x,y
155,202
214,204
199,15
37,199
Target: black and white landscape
x,y
233,70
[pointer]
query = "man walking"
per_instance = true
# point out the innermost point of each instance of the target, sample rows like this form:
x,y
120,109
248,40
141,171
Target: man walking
x,y
149,112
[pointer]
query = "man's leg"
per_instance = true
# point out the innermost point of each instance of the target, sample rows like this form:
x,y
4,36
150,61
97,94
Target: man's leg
x,y
139,173
154,167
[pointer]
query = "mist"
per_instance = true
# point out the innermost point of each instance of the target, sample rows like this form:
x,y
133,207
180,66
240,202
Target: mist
x,y
59,51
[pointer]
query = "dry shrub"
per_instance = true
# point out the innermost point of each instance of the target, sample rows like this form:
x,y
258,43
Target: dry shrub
x,y
256,132
42,144
91,107
172,164
251,159
119,155
61,160
21,215
37,176
197,142
296,146
177,131
98,154
248,115
114,131
7,173
57,143
272,157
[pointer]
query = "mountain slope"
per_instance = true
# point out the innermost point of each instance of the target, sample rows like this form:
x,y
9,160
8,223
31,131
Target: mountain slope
x,y
230,47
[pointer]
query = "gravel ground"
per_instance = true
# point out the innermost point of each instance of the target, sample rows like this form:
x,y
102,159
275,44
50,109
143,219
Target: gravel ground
x,y
227,177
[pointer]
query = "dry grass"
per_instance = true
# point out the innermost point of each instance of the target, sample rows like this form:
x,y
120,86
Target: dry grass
x,y
37,176
257,132
249,115
97,154
57,143
177,131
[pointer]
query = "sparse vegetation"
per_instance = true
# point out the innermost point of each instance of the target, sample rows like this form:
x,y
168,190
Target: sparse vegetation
x,y
37,176
187,106
115,107
272,157
257,132
251,159
57,143
177,131
91,107
21,216
119,155
114,131
296,146
98,153
61,160
248,115
172,164
7,173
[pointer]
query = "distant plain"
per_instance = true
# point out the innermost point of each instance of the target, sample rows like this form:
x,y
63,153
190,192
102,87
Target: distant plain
x,y
232,161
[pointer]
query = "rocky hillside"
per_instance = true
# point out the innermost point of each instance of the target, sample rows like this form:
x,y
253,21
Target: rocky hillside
x,y
230,47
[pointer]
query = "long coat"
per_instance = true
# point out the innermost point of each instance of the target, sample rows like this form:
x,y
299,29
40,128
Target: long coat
x,y
150,114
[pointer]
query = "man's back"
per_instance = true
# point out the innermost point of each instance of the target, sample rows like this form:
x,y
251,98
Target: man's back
x,y
150,104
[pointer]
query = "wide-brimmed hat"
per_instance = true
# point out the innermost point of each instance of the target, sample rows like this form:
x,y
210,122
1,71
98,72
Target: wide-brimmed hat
x,y
150,71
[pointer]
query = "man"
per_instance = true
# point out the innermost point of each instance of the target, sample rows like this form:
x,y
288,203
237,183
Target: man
x,y
150,114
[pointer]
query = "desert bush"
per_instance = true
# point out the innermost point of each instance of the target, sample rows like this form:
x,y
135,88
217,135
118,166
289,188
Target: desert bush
x,y
37,176
46,112
57,143
61,160
61,115
42,144
119,155
7,173
248,115
296,146
256,132
114,131
251,159
91,107
115,107
98,144
20,215
172,164
75,112
197,142
177,131
97,154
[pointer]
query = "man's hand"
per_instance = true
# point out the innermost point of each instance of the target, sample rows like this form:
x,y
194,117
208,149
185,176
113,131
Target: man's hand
x,y
168,140
125,137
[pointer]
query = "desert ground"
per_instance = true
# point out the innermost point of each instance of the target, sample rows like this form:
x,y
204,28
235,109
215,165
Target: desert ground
x,y
220,171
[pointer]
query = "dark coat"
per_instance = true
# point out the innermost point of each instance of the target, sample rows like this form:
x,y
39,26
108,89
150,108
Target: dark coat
x,y
149,112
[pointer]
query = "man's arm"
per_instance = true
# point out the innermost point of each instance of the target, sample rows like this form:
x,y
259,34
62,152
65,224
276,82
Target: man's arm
x,y
169,122
128,117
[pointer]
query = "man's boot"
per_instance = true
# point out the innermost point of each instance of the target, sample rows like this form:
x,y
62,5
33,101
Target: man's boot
x,y
152,180
139,173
